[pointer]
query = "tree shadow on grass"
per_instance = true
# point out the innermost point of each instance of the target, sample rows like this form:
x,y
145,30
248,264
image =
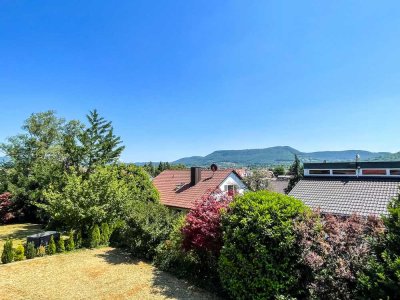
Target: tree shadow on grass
x,y
118,256
172,287
18,231
163,283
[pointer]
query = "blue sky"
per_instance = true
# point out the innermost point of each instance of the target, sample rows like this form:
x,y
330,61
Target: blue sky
x,y
182,78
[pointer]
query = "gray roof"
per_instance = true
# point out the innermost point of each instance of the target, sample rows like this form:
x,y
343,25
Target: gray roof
x,y
344,196
353,165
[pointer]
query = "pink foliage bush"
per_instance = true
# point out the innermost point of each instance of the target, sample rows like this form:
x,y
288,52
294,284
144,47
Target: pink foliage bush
x,y
202,229
6,208
335,249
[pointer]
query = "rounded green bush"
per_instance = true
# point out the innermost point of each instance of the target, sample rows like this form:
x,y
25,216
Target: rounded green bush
x,y
19,253
260,257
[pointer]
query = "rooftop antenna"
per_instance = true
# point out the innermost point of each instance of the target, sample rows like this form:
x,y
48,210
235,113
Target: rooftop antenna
x,y
214,168
357,165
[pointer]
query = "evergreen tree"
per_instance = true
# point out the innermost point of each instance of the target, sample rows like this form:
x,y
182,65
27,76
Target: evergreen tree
x,y
30,250
296,170
78,239
99,144
105,234
160,167
51,247
70,242
8,253
94,239
60,245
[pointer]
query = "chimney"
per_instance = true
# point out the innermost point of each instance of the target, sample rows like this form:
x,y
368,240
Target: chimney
x,y
195,175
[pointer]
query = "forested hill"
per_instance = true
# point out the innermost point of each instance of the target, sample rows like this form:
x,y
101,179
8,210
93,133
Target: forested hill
x,y
280,155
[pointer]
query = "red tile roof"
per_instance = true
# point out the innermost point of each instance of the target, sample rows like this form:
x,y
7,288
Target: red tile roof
x,y
175,189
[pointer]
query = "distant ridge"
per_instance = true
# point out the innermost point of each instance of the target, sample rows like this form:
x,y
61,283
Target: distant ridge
x,y
279,155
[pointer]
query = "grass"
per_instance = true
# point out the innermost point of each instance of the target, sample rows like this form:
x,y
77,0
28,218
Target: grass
x,y
17,232
105,273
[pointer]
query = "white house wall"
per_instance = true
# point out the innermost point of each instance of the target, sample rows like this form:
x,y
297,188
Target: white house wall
x,y
233,179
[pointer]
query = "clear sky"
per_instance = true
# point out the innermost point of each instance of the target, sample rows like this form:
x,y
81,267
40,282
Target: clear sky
x,y
182,78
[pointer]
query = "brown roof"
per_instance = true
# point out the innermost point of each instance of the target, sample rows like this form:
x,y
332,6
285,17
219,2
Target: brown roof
x,y
176,191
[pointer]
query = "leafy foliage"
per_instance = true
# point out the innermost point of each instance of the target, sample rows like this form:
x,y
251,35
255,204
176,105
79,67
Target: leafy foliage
x,y
279,170
49,147
19,253
104,197
257,180
381,279
8,253
260,256
51,247
188,264
30,250
7,213
162,166
146,226
335,250
202,229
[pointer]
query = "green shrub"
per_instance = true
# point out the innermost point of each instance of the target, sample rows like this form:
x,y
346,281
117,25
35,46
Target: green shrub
x,y
94,237
147,226
19,253
30,250
260,257
171,257
51,247
105,234
41,251
78,239
70,242
60,245
381,279
8,254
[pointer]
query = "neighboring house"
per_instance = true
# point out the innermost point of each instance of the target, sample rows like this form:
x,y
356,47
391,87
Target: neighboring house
x,y
364,188
180,189
278,184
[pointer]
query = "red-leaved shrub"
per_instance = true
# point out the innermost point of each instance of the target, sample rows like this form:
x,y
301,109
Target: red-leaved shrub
x,y
6,208
335,250
202,229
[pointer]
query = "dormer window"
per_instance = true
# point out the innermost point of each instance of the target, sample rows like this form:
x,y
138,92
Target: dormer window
x,y
344,172
395,172
374,172
319,172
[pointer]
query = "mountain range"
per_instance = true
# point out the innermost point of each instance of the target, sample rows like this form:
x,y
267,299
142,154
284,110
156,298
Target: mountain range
x,y
280,155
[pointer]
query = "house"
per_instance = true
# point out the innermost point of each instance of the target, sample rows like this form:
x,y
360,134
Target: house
x,y
364,188
180,189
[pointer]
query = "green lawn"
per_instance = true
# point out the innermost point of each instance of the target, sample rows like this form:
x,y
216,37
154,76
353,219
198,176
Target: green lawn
x,y
17,232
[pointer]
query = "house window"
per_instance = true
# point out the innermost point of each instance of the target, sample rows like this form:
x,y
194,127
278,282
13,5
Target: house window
x,y
374,172
395,172
319,172
344,172
231,189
